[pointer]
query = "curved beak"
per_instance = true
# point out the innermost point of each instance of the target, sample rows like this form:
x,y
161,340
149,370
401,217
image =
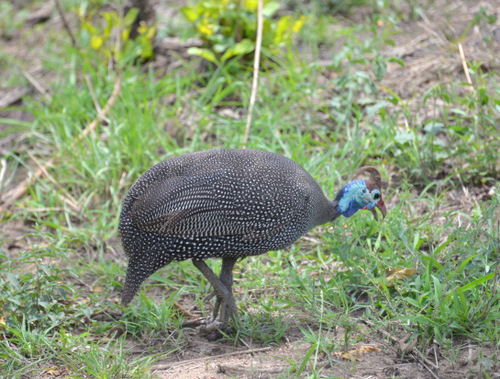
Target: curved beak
x,y
381,207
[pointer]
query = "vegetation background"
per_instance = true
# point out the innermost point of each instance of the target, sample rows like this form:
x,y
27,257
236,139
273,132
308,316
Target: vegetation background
x,y
95,92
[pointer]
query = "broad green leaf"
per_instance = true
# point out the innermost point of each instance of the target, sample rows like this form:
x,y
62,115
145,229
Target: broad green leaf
x,y
89,27
433,262
96,42
281,29
241,48
112,20
441,247
220,47
463,301
404,137
125,35
477,282
432,128
13,281
412,302
130,17
397,60
150,33
15,301
190,13
458,112
147,50
206,27
438,289
251,5
380,68
204,53
297,25
270,8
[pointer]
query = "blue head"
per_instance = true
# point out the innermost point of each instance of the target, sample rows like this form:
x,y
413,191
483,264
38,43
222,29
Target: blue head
x,y
361,194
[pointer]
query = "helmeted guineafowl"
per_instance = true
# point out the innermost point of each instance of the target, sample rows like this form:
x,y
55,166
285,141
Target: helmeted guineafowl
x,y
227,204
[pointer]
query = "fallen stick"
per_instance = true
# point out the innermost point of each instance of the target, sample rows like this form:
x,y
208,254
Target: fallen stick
x,y
238,371
189,361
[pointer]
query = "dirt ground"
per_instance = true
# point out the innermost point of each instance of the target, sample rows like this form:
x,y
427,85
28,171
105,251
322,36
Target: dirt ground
x,y
430,57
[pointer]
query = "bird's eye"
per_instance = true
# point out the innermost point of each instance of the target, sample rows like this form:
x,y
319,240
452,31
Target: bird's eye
x,y
365,190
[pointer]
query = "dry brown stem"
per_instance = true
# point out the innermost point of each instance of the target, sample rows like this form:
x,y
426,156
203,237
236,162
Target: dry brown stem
x,y
256,64
35,83
184,311
464,65
65,23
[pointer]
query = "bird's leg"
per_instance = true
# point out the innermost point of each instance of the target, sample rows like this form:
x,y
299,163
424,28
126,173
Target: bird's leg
x,y
223,293
226,277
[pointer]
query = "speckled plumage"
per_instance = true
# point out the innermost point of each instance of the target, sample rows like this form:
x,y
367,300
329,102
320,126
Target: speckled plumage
x,y
217,204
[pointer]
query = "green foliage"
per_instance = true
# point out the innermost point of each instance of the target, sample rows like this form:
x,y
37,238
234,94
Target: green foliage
x,y
229,28
101,359
455,293
109,34
328,113
35,289
147,318
463,130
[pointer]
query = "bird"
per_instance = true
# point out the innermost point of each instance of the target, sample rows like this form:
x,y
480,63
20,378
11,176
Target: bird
x,y
229,204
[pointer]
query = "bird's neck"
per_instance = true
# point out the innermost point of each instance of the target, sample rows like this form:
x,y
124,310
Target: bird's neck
x,y
334,210
326,211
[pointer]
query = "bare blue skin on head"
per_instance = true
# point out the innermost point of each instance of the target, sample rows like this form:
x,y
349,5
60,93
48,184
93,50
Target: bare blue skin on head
x,y
355,196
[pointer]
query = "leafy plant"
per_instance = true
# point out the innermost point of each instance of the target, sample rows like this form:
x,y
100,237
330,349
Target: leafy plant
x,y
229,28
98,34
34,289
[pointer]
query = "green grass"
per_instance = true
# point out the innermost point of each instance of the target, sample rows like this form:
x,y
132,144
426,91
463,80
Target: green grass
x,y
59,292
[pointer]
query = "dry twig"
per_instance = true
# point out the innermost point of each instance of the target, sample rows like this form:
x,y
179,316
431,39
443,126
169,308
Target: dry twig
x,y
65,23
464,65
13,95
252,371
68,199
35,83
256,64
92,93
184,311
188,361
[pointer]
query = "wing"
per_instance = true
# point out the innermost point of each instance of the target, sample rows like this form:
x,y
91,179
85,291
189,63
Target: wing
x,y
213,204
